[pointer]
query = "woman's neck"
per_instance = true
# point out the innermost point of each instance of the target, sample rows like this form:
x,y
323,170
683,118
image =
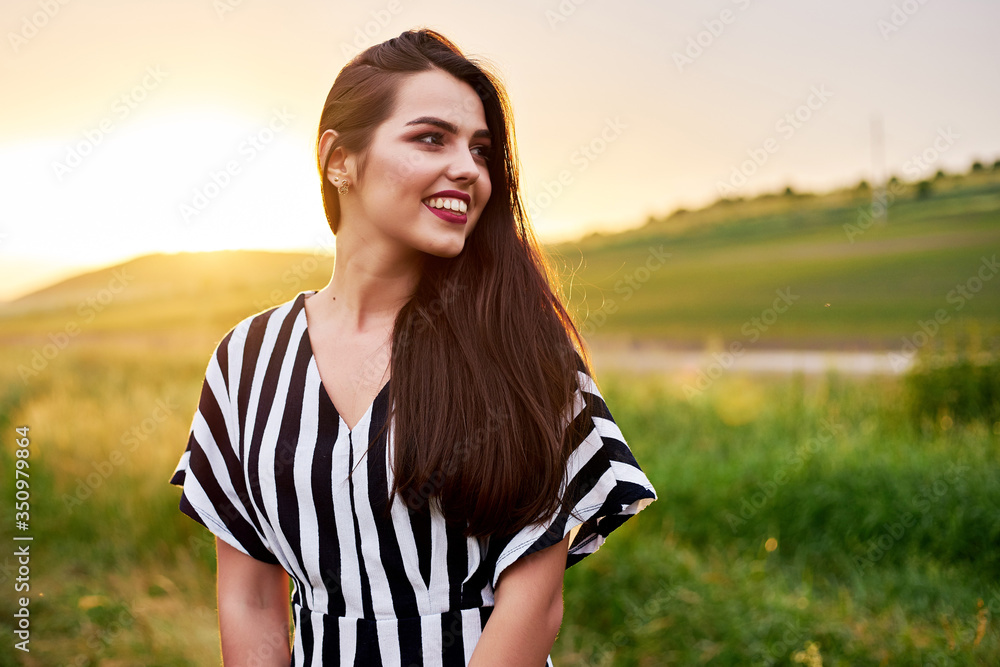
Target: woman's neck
x,y
371,281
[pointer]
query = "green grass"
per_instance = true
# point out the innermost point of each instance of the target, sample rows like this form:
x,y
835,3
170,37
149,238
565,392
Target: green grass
x,y
824,467
727,261
692,581
114,575
859,515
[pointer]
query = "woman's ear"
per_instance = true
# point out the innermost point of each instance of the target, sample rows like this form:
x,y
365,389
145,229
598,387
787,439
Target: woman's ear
x,y
335,160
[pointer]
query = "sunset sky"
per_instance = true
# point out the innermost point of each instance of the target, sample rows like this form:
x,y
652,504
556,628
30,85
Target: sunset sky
x,y
117,115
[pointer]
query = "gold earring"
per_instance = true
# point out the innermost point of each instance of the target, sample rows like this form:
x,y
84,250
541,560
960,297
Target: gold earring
x,y
343,187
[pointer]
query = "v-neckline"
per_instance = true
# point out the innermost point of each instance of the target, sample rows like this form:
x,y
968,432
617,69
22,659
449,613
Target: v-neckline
x,y
322,386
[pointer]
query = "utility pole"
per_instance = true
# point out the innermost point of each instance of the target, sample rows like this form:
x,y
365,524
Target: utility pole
x,y
880,204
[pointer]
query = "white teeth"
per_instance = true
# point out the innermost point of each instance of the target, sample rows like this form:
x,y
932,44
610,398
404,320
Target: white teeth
x,y
456,205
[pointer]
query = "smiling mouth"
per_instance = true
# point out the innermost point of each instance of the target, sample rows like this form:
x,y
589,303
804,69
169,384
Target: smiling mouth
x,y
446,204
448,215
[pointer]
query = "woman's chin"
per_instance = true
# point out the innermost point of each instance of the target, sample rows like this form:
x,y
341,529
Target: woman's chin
x,y
445,249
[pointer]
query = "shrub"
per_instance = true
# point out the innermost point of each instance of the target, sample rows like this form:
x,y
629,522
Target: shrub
x,y
958,382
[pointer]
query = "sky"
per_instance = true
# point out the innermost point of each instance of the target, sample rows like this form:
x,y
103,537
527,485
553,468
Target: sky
x,y
133,127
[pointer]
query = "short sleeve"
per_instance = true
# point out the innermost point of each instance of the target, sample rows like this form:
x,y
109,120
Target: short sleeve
x,y
211,471
603,487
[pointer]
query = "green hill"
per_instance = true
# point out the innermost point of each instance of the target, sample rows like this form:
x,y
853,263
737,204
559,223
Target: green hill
x,y
854,282
776,271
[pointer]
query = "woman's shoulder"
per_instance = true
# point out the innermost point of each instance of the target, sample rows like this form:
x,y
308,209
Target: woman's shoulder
x,y
251,331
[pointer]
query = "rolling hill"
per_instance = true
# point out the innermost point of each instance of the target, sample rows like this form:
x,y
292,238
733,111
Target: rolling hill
x,y
787,270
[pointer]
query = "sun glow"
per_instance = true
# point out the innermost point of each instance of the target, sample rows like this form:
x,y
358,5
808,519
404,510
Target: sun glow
x,y
186,182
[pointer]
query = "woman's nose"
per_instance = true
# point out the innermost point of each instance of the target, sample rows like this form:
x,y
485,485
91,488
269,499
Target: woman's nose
x,y
463,167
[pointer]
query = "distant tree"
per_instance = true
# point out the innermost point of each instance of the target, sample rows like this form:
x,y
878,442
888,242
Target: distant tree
x,y
893,180
939,175
789,192
977,166
923,189
996,166
863,185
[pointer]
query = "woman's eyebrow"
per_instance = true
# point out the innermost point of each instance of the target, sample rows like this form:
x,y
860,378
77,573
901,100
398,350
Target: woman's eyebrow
x,y
446,126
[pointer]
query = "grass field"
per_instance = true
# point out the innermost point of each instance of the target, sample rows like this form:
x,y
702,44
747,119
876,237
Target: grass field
x,y
851,286
799,519
790,512
692,279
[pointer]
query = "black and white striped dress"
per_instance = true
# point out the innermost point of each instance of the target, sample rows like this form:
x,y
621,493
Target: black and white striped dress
x,y
266,470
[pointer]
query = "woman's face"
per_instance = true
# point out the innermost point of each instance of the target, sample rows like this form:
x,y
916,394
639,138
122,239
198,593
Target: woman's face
x,y
426,180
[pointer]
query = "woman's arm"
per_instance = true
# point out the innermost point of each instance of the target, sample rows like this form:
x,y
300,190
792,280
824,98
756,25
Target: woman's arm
x,y
253,609
527,613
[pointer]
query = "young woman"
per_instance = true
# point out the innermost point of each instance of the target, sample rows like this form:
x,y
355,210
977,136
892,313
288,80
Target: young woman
x,y
420,444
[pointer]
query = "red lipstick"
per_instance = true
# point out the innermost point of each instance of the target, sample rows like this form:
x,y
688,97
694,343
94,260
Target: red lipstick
x,y
447,214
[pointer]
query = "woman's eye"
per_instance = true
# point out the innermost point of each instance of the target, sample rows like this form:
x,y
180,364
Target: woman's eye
x,y
482,151
434,136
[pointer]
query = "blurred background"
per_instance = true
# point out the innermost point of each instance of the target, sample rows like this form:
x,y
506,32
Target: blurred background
x,y
776,223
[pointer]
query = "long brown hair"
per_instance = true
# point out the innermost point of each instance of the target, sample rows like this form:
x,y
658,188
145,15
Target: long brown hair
x,y
484,356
